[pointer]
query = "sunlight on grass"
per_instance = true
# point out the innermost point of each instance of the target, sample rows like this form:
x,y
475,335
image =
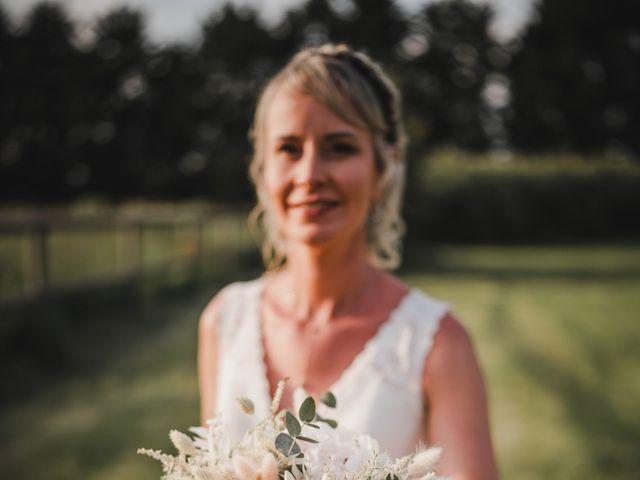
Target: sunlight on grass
x,y
555,330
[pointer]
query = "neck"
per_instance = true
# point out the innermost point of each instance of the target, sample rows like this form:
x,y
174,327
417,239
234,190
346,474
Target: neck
x,y
318,283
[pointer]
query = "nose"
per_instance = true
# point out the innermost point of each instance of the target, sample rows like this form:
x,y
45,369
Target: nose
x,y
309,169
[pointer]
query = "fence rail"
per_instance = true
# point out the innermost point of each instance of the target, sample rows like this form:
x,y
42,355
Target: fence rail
x,y
46,252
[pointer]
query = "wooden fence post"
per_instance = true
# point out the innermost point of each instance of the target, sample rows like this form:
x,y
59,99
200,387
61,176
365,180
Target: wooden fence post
x,y
38,273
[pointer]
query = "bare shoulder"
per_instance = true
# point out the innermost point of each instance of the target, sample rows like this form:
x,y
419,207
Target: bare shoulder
x,y
210,314
452,354
452,337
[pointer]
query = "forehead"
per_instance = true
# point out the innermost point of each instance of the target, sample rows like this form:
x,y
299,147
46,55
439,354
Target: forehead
x,y
293,113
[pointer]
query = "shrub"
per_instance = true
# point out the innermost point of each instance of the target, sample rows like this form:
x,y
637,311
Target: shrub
x,y
457,197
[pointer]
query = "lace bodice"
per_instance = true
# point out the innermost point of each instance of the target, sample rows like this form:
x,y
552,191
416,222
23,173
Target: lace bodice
x,y
380,393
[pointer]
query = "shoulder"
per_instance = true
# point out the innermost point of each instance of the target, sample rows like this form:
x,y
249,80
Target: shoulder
x,y
209,316
228,296
452,337
452,358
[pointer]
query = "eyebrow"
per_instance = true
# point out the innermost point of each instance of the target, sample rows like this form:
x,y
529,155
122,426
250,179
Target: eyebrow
x,y
338,135
329,136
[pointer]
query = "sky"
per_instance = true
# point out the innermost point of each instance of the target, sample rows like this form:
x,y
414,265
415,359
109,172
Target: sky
x,y
180,20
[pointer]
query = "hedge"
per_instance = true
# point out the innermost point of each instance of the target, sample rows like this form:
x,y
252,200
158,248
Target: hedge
x,y
457,197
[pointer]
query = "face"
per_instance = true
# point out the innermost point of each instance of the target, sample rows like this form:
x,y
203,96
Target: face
x,y
319,172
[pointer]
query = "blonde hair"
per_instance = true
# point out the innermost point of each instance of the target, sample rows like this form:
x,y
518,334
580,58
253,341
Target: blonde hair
x,y
359,92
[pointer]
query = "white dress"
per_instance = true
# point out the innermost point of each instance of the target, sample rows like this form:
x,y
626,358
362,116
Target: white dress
x,y
379,394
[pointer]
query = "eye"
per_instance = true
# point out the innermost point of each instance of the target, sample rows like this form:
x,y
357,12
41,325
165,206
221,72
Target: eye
x,y
343,148
289,149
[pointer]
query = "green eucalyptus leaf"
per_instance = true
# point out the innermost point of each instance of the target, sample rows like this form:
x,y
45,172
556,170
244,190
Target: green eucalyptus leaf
x,y
306,439
391,476
308,410
293,426
312,425
331,423
329,399
284,443
294,450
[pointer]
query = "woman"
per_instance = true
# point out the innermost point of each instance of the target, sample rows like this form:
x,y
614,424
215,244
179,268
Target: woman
x,y
328,169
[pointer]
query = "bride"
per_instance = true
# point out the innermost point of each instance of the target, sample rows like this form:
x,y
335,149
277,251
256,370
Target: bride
x,y
328,169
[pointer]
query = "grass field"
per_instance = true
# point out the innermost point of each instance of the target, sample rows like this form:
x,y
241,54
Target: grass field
x,y
555,328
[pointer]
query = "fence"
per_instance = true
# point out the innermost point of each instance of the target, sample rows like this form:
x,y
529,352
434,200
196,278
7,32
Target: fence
x,y
53,251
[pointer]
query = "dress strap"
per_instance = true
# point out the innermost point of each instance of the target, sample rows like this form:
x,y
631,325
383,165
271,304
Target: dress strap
x,y
399,350
236,310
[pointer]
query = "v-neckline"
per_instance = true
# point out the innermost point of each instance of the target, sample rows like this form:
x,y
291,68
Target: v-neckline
x,y
351,368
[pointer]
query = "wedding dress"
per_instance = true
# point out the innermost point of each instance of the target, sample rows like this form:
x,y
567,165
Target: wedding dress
x,y
379,394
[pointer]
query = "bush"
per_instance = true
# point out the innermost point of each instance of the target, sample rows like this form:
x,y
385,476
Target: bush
x,y
456,197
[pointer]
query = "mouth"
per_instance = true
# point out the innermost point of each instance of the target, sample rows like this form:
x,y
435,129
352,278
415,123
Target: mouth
x,y
312,209
313,204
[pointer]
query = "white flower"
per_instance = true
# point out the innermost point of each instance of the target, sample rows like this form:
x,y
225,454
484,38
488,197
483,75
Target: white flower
x,y
423,463
245,469
269,467
339,451
202,474
183,443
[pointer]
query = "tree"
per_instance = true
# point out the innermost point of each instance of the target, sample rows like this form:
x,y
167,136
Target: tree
x,y
448,64
114,153
237,56
9,146
37,99
378,27
575,77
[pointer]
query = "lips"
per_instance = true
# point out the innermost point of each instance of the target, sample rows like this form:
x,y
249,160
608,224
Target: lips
x,y
311,209
312,203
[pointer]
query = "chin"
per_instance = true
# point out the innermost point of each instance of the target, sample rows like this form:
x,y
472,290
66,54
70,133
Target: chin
x,y
311,238
319,236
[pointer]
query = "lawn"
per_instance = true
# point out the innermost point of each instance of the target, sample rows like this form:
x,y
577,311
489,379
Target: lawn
x,y
555,329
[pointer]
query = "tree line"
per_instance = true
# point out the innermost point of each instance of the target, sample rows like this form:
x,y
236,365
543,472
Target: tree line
x,y
115,115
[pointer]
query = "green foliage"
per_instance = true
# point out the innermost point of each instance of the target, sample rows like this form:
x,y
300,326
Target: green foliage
x,y
331,423
329,399
574,77
307,413
523,199
287,445
293,426
445,76
306,439
307,410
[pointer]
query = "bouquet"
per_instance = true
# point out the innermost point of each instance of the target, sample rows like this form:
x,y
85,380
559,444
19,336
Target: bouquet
x,y
289,447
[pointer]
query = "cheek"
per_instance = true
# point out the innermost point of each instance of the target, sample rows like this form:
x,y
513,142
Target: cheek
x,y
273,188
361,182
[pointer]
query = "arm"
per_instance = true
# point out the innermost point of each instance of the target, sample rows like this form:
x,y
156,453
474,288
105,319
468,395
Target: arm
x,y
457,417
208,359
